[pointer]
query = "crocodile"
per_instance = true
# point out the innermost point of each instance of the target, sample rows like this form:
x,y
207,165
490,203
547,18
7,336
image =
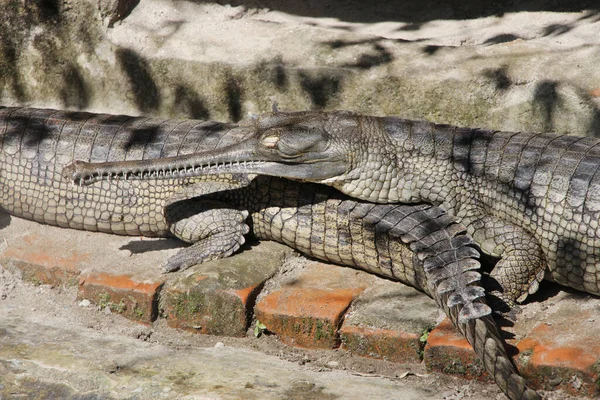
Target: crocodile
x,y
419,245
530,199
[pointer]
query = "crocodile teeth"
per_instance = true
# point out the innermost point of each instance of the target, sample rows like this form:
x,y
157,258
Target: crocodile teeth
x,y
178,172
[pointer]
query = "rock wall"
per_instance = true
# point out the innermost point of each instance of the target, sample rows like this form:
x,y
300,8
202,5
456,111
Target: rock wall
x,y
531,66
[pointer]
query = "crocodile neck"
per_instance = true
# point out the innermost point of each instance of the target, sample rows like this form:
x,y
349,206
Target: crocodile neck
x,y
413,161
457,168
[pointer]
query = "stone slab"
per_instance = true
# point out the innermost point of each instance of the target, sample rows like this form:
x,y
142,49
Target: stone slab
x,y
63,254
499,66
40,360
562,350
218,297
387,321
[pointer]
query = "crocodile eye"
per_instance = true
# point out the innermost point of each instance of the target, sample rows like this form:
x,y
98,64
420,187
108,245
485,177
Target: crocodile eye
x,y
270,142
294,141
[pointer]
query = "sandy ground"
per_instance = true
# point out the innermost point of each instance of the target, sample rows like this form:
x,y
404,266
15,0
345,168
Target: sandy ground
x,y
52,346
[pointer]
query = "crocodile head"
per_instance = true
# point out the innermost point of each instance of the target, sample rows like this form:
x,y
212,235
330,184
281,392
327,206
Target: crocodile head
x,y
331,148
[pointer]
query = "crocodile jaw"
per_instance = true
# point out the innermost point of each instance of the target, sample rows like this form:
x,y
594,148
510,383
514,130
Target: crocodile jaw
x,y
242,158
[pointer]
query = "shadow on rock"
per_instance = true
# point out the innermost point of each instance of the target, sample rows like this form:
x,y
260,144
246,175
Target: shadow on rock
x,y
414,12
144,246
5,218
146,94
190,103
321,87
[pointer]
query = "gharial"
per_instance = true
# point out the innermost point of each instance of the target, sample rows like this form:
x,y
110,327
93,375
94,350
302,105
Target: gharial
x,y
210,213
532,199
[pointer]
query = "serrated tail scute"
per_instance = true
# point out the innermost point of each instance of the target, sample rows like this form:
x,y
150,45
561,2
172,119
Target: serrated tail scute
x,y
473,311
451,268
466,296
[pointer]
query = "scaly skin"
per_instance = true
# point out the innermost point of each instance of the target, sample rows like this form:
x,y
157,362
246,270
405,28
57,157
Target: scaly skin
x,y
531,199
210,212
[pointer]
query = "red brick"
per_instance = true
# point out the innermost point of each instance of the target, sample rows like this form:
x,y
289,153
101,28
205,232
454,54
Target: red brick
x,y
386,344
448,352
43,262
387,320
306,309
132,299
305,317
557,356
552,355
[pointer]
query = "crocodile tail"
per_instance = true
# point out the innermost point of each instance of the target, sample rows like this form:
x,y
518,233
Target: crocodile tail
x,y
450,264
483,335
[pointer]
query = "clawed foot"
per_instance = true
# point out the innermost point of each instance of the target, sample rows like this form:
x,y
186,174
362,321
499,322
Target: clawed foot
x,y
197,254
503,306
217,246
215,232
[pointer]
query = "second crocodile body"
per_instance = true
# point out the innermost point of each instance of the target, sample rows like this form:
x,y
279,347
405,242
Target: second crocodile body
x,y
531,199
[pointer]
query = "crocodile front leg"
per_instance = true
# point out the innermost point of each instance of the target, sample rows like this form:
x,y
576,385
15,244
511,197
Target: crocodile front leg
x,y
521,266
214,230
